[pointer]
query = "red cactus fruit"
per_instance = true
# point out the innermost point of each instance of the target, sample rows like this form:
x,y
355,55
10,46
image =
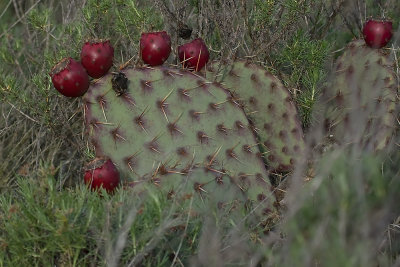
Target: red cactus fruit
x,y
101,172
155,47
70,78
377,33
97,57
194,55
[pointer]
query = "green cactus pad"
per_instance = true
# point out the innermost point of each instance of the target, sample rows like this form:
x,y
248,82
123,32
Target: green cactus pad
x,y
360,102
269,107
171,127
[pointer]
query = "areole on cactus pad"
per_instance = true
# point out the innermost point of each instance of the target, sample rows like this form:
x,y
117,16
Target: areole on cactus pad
x,y
269,107
171,127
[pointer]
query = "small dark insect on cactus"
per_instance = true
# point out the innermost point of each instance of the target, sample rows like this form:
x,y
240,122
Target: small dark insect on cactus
x,y
119,83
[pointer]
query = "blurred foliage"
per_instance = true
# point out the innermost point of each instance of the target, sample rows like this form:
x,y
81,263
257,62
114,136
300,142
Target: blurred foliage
x,y
42,226
338,218
301,63
343,212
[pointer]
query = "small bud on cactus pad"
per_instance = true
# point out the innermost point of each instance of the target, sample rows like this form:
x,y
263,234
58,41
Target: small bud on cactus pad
x,y
155,47
70,78
101,172
194,55
377,33
97,58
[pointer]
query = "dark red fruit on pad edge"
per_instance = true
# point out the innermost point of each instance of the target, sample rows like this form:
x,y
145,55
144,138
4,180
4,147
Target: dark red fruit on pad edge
x,y
101,173
377,33
194,55
155,47
97,58
70,78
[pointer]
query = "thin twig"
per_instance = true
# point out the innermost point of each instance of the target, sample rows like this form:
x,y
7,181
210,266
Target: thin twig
x,y
152,243
5,9
18,20
183,235
20,111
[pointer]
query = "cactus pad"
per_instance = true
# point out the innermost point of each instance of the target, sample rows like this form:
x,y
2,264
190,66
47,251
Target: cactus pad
x,y
360,101
171,127
269,107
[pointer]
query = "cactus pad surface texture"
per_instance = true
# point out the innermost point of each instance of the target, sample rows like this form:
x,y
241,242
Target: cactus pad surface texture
x,y
270,108
360,102
175,130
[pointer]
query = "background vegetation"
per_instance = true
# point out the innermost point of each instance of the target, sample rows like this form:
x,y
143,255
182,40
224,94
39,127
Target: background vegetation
x,y
341,212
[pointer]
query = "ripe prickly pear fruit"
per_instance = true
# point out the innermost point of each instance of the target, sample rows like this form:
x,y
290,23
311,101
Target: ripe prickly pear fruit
x,y
194,55
155,47
377,33
97,57
101,173
70,78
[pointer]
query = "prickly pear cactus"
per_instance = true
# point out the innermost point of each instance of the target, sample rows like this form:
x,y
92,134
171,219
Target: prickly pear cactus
x,y
170,127
268,105
360,101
